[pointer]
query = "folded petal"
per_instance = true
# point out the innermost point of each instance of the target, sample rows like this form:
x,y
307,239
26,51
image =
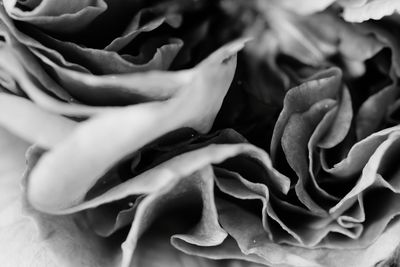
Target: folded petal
x,y
248,232
141,124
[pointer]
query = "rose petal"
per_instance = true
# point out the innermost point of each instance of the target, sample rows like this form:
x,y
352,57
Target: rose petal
x,y
12,166
324,85
252,241
208,231
371,9
308,6
251,238
213,154
133,29
294,141
103,62
57,16
143,123
149,86
31,238
33,124
358,155
15,68
368,176
373,110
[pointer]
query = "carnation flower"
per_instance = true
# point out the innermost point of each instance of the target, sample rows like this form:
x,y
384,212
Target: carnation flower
x,y
199,133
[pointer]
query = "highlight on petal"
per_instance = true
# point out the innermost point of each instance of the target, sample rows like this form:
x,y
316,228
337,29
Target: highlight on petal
x,y
295,256
56,16
33,124
91,74
12,166
132,162
324,85
194,106
71,83
359,11
32,238
148,86
135,28
187,177
307,7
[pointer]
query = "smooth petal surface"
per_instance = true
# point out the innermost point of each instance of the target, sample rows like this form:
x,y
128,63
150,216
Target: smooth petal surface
x,y
129,168
182,177
33,124
64,17
29,238
32,238
143,123
371,9
308,6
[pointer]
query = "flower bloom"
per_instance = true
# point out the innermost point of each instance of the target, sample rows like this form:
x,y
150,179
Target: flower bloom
x,y
152,141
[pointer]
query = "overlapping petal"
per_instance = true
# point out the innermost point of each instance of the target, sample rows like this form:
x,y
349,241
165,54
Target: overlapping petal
x,y
124,160
67,17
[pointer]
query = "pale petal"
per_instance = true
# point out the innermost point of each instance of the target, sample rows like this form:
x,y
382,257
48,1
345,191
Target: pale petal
x,y
142,123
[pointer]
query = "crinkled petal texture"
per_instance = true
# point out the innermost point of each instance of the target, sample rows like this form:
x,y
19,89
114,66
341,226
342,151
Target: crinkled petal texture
x,y
231,181
32,238
336,187
124,171
239,206
146,37
196,96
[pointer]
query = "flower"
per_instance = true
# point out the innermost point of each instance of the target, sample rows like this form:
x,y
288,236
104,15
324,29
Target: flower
x,y
335,132
37,75
151,143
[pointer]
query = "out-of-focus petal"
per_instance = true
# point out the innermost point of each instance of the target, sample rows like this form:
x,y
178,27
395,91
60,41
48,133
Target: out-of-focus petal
x,y
359,11
33,124
307,7
30,238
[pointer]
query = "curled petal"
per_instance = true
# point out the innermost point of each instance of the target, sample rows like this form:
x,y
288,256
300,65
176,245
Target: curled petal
x,y
192,107
56,16
251,240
